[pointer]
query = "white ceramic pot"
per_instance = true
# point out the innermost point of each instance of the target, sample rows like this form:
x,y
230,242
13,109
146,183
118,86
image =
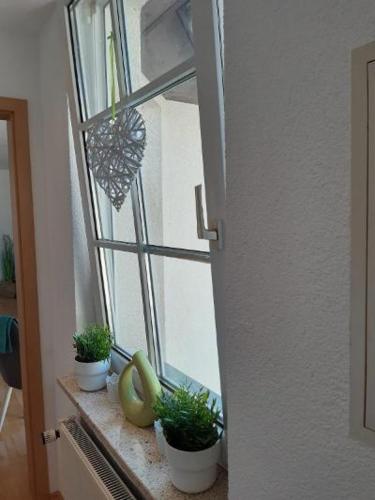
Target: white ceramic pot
x,y
92,376
193,471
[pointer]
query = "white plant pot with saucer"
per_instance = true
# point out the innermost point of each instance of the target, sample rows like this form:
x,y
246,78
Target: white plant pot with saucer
x,y
92,376
193,471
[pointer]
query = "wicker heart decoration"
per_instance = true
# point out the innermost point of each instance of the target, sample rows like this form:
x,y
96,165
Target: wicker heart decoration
x,y
115,149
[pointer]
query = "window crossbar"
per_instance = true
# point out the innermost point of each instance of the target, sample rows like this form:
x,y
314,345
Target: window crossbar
x,y
174,77
177,253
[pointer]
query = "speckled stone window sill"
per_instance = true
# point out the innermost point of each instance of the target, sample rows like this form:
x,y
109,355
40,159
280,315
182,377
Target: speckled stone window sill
x,y
133,449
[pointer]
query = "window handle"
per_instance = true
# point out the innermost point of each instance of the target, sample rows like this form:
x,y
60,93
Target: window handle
x,y
203,232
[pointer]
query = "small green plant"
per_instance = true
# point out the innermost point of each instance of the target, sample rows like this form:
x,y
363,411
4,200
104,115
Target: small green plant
x,y
7,259
188,419
93,344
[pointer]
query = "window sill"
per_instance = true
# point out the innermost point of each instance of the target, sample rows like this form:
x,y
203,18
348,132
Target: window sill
x,y
133,449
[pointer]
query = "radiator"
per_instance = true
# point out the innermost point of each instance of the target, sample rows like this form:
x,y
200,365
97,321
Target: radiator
x,y
84,473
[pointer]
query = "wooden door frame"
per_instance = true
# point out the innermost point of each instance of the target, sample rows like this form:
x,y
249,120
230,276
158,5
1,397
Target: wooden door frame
x,y
15,112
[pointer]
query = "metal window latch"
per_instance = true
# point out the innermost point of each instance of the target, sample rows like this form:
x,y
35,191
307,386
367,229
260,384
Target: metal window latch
x,y
203,232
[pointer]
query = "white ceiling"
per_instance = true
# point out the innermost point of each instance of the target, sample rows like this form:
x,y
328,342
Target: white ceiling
x,y
26,15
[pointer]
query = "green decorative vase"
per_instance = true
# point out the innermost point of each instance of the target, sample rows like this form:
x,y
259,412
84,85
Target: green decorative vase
x,y
139,411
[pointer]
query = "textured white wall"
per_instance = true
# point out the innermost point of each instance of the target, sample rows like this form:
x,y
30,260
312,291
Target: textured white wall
x,y
288,253
54,225
65,281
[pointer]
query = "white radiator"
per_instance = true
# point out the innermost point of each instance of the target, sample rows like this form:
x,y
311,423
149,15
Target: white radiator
x,y
84,473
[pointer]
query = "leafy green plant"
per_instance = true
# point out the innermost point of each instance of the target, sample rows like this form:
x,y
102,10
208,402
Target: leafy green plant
x,y
93,344
7,259
188,419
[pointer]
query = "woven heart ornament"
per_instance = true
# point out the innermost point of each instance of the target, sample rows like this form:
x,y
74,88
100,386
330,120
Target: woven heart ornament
x,y
115,148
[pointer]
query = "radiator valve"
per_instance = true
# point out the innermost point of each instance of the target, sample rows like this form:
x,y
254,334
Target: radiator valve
x,y
50,436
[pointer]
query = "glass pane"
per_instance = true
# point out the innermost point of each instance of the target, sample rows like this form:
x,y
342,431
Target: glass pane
x,y
124,299
186,319
159,37
92,25
113,224
172,167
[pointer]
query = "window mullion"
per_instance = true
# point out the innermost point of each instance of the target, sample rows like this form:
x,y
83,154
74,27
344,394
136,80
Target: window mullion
x,y
107,304
143,259
118,50
134,195
122,44
145,276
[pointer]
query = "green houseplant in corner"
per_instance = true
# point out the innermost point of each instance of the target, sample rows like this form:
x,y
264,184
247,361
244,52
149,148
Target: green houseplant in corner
x,y
8,283
192,437
92,361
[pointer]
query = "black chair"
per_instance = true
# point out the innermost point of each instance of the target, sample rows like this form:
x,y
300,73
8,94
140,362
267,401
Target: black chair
x,y
10,369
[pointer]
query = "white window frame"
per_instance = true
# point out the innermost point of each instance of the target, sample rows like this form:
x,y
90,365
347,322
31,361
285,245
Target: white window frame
x,y
206,65
362,347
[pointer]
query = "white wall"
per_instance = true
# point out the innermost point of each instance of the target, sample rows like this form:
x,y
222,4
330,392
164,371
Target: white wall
x,y
35,71
288,253
55,236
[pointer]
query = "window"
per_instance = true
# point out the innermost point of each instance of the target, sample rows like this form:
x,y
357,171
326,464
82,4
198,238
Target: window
x,y
154,273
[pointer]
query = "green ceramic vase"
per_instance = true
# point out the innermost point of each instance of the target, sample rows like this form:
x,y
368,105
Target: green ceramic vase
x,y
139,411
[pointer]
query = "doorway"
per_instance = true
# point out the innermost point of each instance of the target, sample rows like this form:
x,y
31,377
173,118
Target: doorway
x,y
23,458
13,455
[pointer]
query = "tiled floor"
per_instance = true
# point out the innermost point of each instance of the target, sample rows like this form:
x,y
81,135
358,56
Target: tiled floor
x,y
13,460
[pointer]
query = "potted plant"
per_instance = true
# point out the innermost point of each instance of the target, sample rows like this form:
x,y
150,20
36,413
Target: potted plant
x,y
92,361
192,437
8,285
